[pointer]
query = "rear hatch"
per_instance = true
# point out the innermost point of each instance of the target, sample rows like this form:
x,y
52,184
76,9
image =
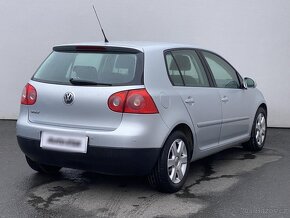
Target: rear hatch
x,y
74,84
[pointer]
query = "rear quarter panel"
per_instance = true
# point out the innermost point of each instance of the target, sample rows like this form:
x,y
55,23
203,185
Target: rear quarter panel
x,y
167,100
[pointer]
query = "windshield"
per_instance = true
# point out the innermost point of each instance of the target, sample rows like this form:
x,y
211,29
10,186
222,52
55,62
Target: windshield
x,y
97,68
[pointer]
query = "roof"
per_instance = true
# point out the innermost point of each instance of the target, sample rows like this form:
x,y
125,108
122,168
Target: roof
x,y
139,45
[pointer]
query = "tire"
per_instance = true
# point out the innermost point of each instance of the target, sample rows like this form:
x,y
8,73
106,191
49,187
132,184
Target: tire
x,y
42,168
172,153
258,133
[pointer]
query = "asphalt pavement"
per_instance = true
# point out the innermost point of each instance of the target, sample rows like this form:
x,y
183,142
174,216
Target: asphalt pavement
x,y
232,183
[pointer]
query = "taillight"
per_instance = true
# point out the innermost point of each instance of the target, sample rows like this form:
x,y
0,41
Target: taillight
x,y
137,101
29,95
117,101
140,102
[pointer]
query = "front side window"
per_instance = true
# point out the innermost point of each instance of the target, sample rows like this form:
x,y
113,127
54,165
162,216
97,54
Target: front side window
x,y
114,68
225,76
185,69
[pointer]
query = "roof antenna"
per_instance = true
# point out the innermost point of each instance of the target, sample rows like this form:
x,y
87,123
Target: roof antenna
x,y
106,40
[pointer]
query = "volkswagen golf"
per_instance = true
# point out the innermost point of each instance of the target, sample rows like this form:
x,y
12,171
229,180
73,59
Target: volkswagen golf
x,y
137,108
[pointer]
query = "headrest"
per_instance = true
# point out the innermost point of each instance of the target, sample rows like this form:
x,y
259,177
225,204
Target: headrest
x,y
182,61
125,61
85,72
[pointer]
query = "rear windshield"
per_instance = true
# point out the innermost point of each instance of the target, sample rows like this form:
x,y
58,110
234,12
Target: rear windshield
x,y
113,68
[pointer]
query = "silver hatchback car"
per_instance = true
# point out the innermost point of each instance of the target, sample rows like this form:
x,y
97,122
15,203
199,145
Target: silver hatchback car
x,y
137,108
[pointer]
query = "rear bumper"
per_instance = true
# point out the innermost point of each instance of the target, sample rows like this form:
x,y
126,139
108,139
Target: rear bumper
x,y
116,161
135,131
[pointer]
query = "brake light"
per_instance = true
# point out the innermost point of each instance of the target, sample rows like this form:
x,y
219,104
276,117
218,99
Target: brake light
x,y
117,101
29,95
90,48
137,101
140,102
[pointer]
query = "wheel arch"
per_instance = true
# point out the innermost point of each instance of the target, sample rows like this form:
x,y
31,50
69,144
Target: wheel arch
x,y
264,106
183,127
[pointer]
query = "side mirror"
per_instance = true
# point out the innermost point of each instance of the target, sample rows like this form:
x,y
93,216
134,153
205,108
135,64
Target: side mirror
x,y
249,83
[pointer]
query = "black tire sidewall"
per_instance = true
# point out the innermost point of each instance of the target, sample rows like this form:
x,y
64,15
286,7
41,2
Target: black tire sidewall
x,y
33,165
42,168
49,169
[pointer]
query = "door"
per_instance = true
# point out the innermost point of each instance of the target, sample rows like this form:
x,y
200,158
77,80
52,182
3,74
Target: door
x,y
234,99
201,100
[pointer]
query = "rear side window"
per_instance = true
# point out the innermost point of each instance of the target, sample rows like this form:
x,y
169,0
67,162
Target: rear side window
x,y
114,68
185,69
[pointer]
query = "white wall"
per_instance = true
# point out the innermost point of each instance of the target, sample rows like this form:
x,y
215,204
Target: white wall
x,y
253,35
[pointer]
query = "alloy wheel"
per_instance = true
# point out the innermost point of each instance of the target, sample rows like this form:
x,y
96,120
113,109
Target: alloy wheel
x,y
260,129
177,161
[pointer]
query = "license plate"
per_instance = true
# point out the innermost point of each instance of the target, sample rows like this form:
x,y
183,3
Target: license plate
x,y
66,143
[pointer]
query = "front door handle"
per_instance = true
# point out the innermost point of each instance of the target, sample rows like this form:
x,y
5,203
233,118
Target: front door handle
x,y
225,99
189,100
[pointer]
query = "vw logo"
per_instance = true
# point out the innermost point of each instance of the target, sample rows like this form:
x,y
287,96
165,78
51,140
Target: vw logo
x,y
68,98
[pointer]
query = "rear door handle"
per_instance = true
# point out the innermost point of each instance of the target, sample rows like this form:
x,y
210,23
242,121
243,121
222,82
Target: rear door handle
x,y
189,100
225,99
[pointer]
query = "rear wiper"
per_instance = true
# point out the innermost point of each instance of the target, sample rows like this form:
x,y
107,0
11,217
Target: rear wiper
x,y
87,83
